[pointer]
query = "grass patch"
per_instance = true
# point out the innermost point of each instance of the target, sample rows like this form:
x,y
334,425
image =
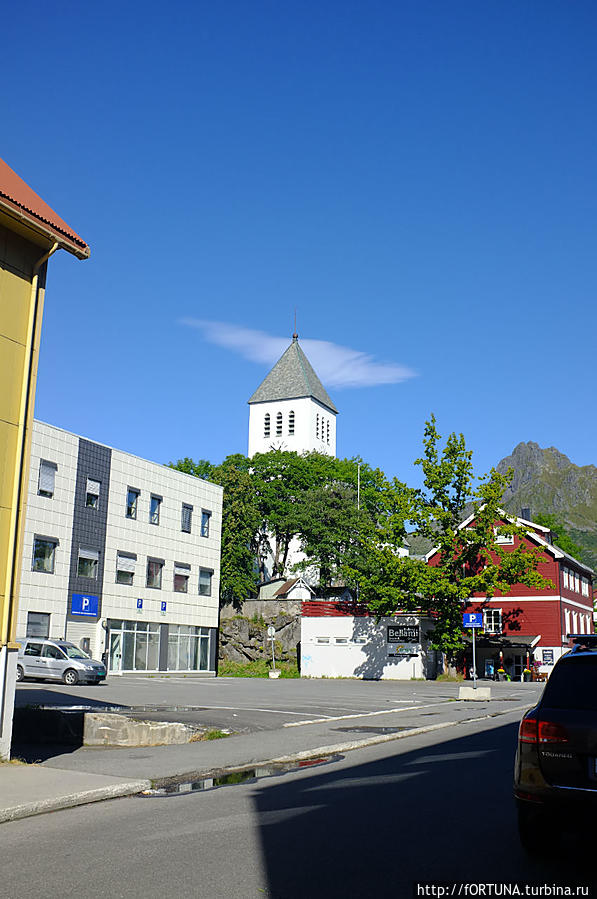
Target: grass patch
x,y
450,678
258,668
12,762
216,734
213,734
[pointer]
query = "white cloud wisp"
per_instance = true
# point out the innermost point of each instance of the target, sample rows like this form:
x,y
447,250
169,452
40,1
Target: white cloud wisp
x,y
337,366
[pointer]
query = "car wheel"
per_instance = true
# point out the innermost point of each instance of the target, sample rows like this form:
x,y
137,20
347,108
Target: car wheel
x,y
20,673
70,677
533,829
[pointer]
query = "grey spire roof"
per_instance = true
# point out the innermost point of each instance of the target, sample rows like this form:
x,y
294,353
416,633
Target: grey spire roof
x,y
292,377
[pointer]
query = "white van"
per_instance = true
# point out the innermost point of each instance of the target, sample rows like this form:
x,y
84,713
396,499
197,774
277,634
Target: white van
x,y
57,660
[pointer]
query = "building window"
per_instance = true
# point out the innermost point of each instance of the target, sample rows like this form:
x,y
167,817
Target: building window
x,y
125,568
136,647
188,648
342,640
93,493
328,431
322,640
186,518
565,577
154,509
585,586
503,539
205,576
205,520
567,620
47,478
492,621
317,425
266,425
291,422
279,424
132,498
154,573
182,573
38,624
44,553
87,563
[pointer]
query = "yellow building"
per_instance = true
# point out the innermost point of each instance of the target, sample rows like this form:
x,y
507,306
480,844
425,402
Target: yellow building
x,y
30,232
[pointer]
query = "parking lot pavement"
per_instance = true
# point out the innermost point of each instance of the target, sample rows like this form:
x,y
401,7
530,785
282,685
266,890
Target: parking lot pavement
x,y
248,705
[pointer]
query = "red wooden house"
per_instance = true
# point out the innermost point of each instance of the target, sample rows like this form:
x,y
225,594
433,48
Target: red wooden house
x,y
525,624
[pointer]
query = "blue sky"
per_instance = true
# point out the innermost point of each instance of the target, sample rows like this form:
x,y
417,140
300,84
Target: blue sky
x,y
417,179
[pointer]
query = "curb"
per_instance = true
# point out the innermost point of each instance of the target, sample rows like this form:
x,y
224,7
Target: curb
x,y
333,749
70,800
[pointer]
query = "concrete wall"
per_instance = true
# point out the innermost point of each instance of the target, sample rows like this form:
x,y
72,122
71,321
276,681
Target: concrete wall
x,y
346,646
268,608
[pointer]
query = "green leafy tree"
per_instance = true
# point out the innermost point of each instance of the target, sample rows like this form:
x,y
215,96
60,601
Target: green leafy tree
x,y
468,559
240,523
330,523
560,536
200,468
280,480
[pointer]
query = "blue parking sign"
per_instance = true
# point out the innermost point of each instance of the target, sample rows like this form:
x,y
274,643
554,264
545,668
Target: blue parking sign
x,y
163,609
139,603
84,604
472,619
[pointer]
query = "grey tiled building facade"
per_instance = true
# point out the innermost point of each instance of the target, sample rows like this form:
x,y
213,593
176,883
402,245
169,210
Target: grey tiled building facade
x,y
121,556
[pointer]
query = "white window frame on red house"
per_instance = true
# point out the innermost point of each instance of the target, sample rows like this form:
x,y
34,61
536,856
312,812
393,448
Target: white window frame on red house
x,y
490,615
503,539
565,577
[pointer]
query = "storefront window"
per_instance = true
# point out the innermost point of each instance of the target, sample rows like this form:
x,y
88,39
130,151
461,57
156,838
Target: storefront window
x,y
188,648
134,645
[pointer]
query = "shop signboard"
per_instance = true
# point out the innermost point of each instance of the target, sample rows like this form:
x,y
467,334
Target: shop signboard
x,y
404,633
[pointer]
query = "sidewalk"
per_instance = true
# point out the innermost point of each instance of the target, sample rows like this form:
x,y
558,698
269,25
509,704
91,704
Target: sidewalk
x,y
92,774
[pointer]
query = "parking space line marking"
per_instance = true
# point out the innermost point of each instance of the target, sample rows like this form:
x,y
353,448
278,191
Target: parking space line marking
x,y
242,708
364,714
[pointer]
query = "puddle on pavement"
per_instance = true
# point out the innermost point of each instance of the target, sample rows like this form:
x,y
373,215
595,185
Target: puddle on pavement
x,y
364,729
231,778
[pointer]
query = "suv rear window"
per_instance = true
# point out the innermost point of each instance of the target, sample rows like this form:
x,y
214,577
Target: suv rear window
x,y
573,684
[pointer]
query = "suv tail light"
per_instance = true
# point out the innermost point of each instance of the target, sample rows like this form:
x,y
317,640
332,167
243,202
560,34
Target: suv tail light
x,y
527,732
549,732
533,731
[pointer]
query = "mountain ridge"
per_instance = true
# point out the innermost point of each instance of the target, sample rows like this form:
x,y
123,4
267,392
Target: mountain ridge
x,y
546,481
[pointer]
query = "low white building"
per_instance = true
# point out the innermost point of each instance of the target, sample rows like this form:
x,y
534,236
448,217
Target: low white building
x,y
339,639
121,556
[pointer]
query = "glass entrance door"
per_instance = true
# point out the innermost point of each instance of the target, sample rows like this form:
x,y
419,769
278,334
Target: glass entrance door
x,y
115,652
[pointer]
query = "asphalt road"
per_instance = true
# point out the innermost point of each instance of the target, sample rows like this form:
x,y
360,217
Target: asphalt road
x,y
246,705
432,808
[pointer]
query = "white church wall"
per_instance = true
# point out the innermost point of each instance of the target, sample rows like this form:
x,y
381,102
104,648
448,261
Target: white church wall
x,y
312,421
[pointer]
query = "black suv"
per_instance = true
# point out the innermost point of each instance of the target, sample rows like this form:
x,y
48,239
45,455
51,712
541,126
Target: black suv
x,y
555,771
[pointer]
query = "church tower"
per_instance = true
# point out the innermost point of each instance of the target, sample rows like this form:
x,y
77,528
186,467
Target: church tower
x,y
291,410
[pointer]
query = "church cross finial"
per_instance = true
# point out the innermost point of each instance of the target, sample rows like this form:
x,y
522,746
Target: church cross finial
x,y
295,335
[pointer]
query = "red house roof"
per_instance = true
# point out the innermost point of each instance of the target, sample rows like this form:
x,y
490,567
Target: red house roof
x,y
17,196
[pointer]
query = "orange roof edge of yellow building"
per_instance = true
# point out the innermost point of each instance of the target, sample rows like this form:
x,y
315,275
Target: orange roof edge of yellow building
x,y
17,197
